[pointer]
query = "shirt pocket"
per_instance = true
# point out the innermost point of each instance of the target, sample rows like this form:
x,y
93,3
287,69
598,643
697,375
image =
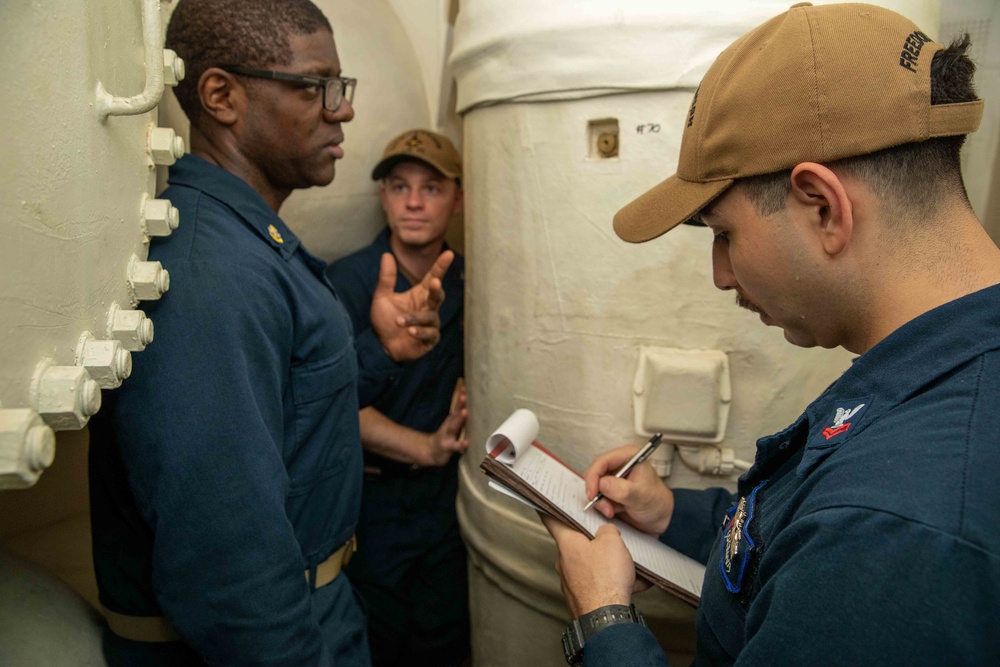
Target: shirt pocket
x,y
325,427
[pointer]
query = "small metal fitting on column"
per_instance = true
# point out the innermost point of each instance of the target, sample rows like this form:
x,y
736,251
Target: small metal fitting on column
x,y
106,360
173,68
27,447
164,146
149,280
159,216
707,459
607,144
65,396
130,327
662,460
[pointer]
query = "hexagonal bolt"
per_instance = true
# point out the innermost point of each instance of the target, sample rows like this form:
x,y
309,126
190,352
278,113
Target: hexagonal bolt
x,y
149,280
106,361
164,146
131,328
173,68
27,447
65,396
159,217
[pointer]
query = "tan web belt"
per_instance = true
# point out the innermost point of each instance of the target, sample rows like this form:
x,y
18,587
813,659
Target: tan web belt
x,y
158,628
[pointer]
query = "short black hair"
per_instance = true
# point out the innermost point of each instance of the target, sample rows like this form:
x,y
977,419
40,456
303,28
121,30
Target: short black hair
x,y
250,33
909,178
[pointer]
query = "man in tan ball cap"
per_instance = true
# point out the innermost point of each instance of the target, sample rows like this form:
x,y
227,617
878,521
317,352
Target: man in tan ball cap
x,y
411,563
822,152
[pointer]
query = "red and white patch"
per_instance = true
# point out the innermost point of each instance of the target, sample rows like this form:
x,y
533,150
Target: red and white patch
x,y
840,423
831,431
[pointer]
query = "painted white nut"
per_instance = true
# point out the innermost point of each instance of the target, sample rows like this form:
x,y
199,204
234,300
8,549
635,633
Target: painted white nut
x,y
108,363
27,447
149,280
173,68
164,146
65,396
159,217
131,327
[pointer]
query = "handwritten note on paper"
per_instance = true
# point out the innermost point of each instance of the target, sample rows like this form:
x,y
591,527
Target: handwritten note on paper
x,y
566,490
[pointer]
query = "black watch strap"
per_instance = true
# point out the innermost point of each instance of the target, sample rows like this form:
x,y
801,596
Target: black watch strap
x,y
576,635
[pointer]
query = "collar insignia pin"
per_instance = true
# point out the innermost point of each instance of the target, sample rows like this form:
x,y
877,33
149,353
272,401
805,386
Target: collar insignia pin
x,y
275,234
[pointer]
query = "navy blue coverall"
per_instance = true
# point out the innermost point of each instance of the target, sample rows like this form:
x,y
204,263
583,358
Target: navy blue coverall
x,y
411,563
229,464
871,532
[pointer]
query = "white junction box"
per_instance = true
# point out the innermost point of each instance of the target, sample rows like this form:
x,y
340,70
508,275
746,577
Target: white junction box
x,y
684,394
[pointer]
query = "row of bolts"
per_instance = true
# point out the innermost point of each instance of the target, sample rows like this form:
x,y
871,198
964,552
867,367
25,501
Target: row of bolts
x,y
65,397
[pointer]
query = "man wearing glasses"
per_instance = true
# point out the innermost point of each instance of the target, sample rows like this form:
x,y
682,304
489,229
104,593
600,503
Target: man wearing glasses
x,y
225,477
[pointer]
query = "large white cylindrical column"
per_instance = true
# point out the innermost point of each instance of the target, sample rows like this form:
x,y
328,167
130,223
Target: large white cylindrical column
x,y
570,111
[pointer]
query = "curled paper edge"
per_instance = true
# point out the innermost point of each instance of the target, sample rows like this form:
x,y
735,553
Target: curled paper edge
x,y
520,430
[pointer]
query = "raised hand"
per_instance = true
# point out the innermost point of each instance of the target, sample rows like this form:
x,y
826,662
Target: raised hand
x,y
641,498
448,439
407,323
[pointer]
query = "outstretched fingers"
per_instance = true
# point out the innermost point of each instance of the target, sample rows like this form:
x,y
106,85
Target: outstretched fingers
x,y
386,285
432,279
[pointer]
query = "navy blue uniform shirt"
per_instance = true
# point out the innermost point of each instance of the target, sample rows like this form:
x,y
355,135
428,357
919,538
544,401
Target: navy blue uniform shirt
x,y
411,562
230,462
419,395
869,531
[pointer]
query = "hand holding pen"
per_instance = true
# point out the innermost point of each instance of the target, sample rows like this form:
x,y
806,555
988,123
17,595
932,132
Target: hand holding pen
x,y
639,457
640,498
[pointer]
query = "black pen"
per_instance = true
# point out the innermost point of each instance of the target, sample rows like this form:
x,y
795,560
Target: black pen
x,y
639,457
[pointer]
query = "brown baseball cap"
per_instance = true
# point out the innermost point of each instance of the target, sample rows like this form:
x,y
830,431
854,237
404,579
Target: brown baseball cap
x,y
430,147
815,84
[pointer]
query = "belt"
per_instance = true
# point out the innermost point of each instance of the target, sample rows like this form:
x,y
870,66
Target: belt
x,y
328,570
141,628
158,628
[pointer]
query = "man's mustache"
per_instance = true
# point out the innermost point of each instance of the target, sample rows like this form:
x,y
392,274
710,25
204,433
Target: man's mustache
x,y
743,302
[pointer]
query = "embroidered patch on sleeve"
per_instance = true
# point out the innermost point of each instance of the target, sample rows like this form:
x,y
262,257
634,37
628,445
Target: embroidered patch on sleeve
x,y
736,541
845,416
838,426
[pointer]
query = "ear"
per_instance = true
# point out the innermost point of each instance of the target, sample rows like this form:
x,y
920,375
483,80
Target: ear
x,y
383,196
222,97
456,208
821,198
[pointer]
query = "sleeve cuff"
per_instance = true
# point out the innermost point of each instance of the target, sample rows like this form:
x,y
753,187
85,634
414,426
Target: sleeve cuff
x,y
627,643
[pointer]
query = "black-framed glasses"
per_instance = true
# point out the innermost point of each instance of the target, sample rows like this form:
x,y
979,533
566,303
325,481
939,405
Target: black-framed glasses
x,y
335,88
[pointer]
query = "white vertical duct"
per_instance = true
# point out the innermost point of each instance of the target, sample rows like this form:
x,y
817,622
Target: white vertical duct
x,y
558,308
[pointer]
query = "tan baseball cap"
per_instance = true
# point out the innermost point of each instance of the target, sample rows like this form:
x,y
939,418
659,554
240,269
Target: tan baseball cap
x,y
430,147
815,84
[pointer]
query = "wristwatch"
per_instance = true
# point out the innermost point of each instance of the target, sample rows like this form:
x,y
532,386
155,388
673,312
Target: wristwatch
x,y
577,633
